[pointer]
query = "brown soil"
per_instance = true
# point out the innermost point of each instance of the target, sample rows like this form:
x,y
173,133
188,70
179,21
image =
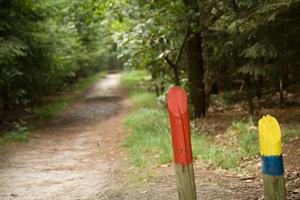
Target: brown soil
x,y
72,157
211,184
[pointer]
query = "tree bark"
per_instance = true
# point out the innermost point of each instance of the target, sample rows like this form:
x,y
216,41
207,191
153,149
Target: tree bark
x,y
259,86
249,95
195,68
281,97
175,71
196,74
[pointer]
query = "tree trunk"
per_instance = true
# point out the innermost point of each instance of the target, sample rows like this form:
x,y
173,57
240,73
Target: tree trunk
x,y
175,71
162,81
281,98
195,68
249,95
156,86
176,76
259,86
195,74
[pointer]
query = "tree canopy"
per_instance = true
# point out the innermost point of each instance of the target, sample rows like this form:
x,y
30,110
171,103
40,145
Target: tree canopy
x,y
199,45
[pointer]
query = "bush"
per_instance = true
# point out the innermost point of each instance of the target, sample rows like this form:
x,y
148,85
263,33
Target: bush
x,y
21,133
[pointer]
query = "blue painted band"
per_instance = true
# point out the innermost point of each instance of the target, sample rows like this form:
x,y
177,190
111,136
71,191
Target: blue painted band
x,y
272,165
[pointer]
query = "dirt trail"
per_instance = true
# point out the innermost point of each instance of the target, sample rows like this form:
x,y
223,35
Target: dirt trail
x,y
78,156
72,157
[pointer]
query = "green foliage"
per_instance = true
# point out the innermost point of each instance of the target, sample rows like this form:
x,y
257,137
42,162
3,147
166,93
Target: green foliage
x,y
249,140
147,37
85,82
247,137
238,38
150,141
249,144
135,79
21,133
45,45
214,154
143,100
290,133
50,109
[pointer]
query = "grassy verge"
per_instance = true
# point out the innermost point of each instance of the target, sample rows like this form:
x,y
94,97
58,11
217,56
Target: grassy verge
x,y
149,143
248,141
135,80
22,132
52,108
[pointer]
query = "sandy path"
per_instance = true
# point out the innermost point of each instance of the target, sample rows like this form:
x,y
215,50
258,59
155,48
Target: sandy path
x,y
72,157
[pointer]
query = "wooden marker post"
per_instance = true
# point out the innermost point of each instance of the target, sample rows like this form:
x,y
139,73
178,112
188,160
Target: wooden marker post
x,y
271,158
181,139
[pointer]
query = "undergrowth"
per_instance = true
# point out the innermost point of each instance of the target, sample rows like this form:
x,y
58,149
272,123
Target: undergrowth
x,y
149,143
248,138
135,80
291,133
143,100
225,100
21,133
51,108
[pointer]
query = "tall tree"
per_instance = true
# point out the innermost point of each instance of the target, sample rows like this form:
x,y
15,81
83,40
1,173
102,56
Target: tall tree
x,y
195,66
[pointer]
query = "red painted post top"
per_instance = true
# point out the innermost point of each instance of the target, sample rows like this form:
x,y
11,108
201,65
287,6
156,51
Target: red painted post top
x,y
180,125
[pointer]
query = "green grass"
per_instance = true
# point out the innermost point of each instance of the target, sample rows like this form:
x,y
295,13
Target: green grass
x,y
84,83
290,133
50,109
143,100
213,154
21,133
247,138
149,142
135,79
249,145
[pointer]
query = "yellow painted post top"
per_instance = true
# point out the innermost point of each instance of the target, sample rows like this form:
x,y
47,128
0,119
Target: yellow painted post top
x,y
269,136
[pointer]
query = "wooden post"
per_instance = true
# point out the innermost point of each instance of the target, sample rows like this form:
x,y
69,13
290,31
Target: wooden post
x,y
181,139
271,158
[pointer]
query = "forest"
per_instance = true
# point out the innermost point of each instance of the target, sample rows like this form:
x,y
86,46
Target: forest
x,y
48,45
207,47
238,60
